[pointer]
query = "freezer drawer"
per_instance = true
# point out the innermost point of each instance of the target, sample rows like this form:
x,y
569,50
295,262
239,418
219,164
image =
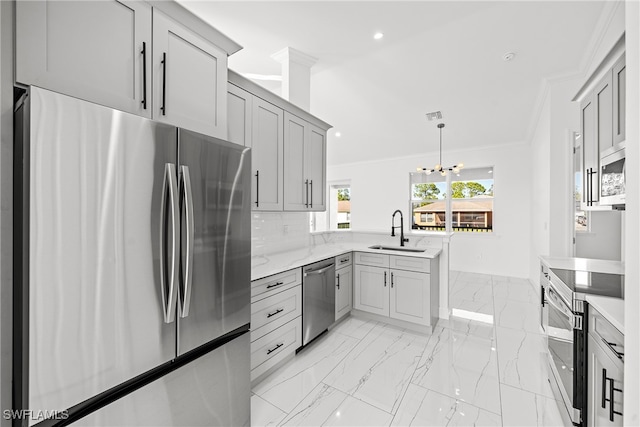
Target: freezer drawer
x,y
213,390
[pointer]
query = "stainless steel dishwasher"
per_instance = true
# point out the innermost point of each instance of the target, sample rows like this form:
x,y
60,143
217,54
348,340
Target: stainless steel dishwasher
x,y
318,298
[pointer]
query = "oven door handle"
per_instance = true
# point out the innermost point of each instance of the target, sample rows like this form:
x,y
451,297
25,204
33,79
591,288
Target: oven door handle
x,y
557,303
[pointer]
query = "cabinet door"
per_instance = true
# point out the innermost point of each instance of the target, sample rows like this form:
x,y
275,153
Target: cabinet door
x,y
605,386
189,79
590,151
371,291
266,159
296,182
619,100
316,167
89,50
409,296
239,103
604,113
344,291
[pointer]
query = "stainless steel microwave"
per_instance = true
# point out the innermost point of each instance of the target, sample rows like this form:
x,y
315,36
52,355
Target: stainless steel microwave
x,y
612,179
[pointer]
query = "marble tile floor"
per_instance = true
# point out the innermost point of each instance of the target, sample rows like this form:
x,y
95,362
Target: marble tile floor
x,y
482,367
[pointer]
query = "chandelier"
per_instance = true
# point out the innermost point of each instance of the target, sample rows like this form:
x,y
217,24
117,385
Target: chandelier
x,y
439,167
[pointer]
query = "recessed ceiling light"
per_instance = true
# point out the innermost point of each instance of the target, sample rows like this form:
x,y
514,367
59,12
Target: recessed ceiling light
x,y
508,56
338,134
378,35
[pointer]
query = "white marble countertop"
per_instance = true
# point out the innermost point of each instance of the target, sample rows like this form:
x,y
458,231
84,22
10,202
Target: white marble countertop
x,y
584,264
611,308
266,265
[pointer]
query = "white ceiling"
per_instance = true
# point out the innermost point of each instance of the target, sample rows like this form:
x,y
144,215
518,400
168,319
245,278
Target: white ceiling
x,y
435,55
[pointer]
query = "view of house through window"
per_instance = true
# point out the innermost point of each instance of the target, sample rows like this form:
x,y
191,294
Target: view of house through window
x,y
471,195
338,213
580,214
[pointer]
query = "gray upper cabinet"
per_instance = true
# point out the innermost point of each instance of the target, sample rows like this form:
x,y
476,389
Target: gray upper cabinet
x,y
267,155
590,151
90,50
619,74
189,79
152,59
603,97
289,147
239,105
304,165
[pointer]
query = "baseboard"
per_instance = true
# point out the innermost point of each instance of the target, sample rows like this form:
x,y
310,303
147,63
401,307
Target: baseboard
x,y
395,322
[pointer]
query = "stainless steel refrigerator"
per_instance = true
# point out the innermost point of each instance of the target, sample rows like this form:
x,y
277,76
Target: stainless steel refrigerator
x,y
132,278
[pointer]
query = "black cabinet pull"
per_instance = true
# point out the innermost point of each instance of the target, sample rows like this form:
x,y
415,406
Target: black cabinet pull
x,y
144,75
280,310
338,284
163,108
258,189
604,388
385,278
311,199
612,390
542,300
392,279
306,192
274,285
275,348
611,345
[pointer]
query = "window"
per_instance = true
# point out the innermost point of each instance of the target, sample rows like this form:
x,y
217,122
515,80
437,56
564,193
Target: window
x,y
471,193
338,214
580,223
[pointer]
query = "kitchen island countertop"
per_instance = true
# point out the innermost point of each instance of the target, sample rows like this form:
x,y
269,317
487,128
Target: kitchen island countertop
x,y
266,265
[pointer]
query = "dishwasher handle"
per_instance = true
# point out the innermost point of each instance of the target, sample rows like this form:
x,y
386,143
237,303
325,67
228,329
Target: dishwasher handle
x,y
319,271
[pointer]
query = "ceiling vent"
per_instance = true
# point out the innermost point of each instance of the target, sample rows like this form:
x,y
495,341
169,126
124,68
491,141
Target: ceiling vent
x,y
436,115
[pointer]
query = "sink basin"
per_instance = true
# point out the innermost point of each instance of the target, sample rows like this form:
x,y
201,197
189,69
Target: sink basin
x,y
396,248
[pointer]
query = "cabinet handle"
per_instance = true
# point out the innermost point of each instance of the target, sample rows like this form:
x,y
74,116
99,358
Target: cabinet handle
x,y
611,345
257,188
344,260
542,300
164,84
604,389
275,348
338,284
144,75
306,192
280,310
274,285
311,199
385,278
612,390
392,279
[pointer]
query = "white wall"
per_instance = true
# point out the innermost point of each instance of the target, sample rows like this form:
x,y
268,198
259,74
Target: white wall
x,y
632,217
379,188
540,188
603,240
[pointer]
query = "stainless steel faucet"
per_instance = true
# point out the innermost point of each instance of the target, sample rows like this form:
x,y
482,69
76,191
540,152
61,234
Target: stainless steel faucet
x,y
401,227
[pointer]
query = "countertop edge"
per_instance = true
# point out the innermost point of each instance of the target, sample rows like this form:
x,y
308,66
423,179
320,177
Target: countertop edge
x,y
611,308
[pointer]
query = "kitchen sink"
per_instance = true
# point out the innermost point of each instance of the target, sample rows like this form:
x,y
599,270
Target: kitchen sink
x,y
396,248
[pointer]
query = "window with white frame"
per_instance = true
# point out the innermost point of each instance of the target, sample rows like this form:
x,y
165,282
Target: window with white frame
x,y
338,213
471,193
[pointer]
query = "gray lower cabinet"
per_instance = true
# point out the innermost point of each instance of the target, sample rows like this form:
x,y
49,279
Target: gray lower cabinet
x,y
399,287
210,391
605,387
344,285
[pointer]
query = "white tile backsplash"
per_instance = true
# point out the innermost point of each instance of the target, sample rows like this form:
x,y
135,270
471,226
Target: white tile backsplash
x,y
273,232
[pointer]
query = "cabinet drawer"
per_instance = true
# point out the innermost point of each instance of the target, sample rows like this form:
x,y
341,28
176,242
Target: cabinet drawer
x,y
270,349
270,285
604,332
270,313
344,260
375,260
410,263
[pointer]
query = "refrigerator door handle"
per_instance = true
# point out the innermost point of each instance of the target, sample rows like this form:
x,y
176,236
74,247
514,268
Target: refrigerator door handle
x,y
187,237
169,273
